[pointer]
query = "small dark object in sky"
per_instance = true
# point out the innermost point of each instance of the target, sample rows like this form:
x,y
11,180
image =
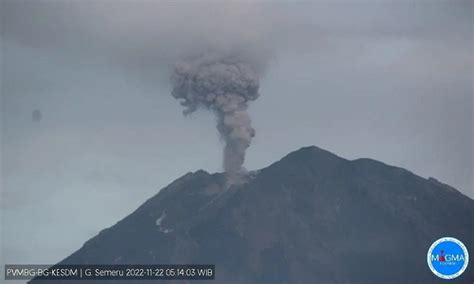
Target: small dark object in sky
x,y
36,115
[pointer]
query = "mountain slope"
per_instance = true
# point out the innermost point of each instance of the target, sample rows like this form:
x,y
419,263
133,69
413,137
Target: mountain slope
x,y
311,217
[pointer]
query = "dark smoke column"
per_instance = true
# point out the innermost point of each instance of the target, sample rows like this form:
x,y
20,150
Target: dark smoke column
x,y
224,85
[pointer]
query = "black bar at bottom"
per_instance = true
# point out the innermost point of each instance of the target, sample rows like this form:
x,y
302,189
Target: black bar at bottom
x,y
110,272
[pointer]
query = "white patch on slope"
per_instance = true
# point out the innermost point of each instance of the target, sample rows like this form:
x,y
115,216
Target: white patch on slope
x,y
253,174
158,223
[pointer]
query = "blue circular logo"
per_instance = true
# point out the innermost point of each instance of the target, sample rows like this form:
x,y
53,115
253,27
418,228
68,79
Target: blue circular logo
x,y
448,258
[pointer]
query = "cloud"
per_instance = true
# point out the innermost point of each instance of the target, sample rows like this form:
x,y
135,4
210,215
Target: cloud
x,y
154,34
147,34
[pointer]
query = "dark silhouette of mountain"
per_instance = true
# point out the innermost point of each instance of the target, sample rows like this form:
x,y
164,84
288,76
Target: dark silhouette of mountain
x,y
311,217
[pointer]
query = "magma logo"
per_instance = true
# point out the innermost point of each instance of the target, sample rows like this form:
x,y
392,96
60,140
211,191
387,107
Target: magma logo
x,y
448,258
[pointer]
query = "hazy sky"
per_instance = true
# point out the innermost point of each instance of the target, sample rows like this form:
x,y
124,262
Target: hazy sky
x,y
388,80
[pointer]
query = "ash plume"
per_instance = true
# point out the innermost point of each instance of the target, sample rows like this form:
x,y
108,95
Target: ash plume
x,y
224,85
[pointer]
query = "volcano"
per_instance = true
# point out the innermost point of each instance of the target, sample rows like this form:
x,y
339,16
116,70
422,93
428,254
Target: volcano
x,y
312,217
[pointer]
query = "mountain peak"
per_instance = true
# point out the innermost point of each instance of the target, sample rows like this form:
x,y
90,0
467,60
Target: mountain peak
x,y
312,153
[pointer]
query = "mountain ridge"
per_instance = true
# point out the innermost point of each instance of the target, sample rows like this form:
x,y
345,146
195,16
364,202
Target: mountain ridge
x,y
310,217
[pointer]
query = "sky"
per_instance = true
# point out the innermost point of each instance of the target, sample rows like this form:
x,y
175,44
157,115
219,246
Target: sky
x,y
387,80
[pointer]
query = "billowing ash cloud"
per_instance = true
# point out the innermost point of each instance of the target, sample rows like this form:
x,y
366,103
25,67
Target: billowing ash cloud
x,y
225,85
